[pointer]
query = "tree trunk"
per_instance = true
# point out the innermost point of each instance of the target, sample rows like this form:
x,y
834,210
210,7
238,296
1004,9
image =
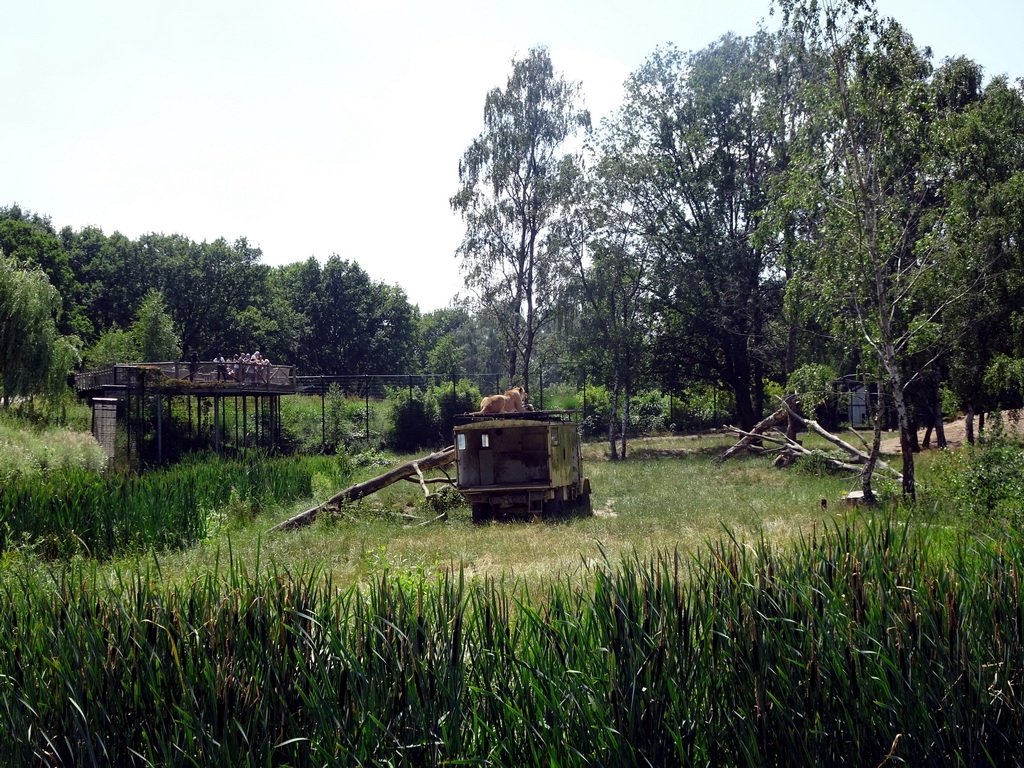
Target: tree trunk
x,y
969,424
359,490
767,423
625,419
613,411
906,442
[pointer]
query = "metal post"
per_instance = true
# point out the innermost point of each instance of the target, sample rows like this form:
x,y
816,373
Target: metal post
x,y
540,379
160,429
584,395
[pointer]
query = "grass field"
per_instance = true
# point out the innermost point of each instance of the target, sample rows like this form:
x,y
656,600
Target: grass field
x,y
671,493
707,613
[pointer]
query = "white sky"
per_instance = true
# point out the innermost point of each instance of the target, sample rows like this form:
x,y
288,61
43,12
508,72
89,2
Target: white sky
x,y
314,127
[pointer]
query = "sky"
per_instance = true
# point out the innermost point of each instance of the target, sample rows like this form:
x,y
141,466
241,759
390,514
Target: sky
x,y
322,127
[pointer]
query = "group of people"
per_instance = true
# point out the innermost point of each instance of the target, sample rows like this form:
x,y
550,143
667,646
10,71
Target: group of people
x,y
243,368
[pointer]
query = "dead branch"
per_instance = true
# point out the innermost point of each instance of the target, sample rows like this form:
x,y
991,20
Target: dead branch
x,y
359,490
751,438
788,448
862,458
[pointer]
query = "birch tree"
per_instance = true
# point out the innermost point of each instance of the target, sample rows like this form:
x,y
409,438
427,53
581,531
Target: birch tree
x,y
514,179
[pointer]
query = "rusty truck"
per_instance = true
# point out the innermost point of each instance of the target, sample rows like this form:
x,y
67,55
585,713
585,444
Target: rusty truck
x,y
520,465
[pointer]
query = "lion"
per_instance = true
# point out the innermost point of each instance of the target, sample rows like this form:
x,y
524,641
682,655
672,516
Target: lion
x,y
510,402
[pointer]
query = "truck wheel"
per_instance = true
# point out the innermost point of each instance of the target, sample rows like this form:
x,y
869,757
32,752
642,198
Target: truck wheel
x,y
583,506
553,508
481,513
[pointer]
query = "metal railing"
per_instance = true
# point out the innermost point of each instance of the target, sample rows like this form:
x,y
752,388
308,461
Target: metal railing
x,y
205,374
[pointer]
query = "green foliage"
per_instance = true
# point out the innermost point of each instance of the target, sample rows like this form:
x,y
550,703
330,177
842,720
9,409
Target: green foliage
x,y
27,450
446,357
516,182
562,397
813,383
412,425
154,330
113,347
743,655
426,419
985,481
71,508
344,419
1005,373
34,357
445,402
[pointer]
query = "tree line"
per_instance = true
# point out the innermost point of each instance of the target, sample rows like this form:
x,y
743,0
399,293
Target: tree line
x,y
163,297
772,213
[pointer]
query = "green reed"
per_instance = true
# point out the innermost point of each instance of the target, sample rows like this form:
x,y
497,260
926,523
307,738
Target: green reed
x,y
862,645
72,510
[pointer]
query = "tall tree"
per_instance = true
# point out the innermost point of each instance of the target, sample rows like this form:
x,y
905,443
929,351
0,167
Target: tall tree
x,y
695,143
862,172
344,322
612,272
514,180
979,158
34,356
153,330
31,239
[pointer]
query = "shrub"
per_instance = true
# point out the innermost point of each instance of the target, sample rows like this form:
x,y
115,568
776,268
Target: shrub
x,y
445,404
986,480
410,423
421,419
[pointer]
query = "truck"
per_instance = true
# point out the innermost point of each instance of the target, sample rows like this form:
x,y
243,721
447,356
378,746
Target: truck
x,y
520,465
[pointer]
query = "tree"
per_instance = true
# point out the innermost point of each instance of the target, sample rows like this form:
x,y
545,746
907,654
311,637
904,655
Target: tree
x,y
979,158
694,145
514,180
345,323
615,321
113,347
34,356
154,332
862,172
612,272
31,239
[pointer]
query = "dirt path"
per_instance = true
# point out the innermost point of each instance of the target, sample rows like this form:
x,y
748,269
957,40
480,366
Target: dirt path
x,y
956,431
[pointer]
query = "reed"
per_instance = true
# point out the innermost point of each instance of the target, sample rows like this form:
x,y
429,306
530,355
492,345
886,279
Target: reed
x,y
73,510
862,643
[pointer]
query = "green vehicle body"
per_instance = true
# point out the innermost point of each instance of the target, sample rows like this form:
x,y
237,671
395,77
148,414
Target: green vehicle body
x,y
521,465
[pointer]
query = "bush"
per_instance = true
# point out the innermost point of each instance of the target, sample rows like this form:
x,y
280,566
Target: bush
x,y
425,419
411,425
986,480
336,424
446,403
28,449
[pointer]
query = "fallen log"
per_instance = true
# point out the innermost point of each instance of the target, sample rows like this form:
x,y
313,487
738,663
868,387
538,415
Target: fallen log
x,y
359,490
751,438
787,445
860,456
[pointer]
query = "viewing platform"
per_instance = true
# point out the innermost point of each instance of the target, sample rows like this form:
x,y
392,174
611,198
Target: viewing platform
x,y
202,379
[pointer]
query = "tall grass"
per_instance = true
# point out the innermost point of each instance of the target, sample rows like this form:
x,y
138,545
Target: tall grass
x,y
72,510
27,450
862,645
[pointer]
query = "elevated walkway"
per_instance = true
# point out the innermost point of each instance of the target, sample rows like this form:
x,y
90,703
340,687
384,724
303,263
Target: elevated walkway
x,y
203,379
